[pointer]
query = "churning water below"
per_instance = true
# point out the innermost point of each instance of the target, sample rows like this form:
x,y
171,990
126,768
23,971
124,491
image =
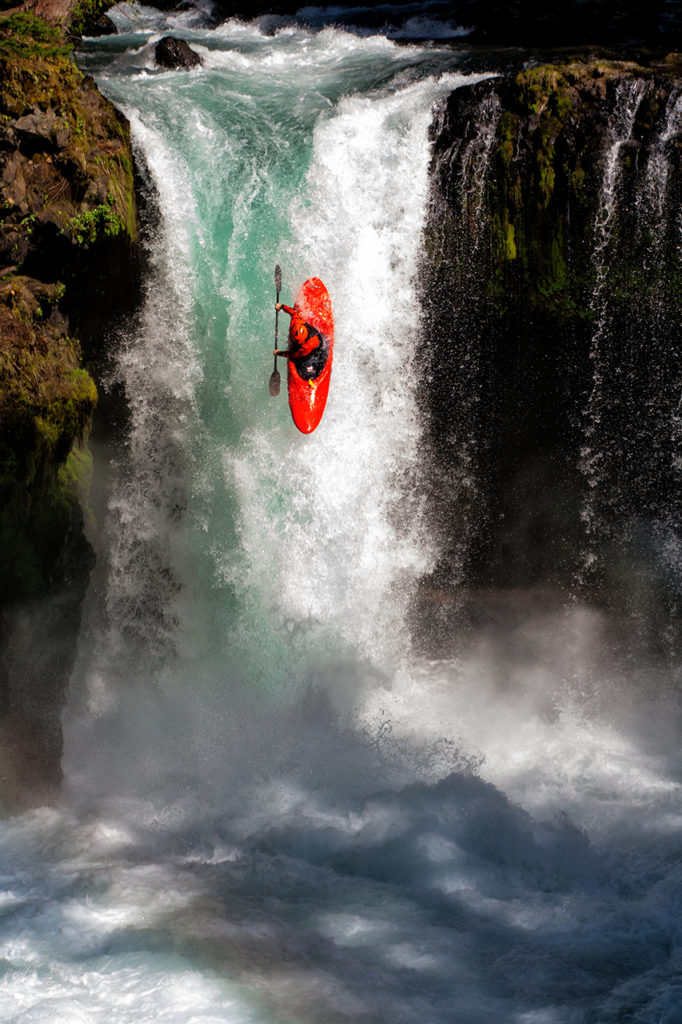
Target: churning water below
x,y
275,810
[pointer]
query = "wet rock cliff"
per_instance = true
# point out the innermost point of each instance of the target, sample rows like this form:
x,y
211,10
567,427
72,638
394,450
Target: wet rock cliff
x,y
68,228
553,300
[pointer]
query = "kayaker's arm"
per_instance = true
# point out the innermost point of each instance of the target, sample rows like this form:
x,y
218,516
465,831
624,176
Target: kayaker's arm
x,y
284,352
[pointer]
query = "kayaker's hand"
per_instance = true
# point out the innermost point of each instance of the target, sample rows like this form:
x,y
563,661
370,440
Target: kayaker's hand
x,y
278,306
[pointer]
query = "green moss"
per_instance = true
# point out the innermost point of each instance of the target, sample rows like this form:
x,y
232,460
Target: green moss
x,y
47,436
94,157
85,184
86,228
507,133
33,524
28,37
555,279
75,477
86,13
44,475
504,236
546,88
44,481
76,473
578,179
509,247
37,80
46,398
532,91
539,183
119,169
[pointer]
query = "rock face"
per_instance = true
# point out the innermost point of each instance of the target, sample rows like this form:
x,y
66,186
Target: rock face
x,y
104,26
175,53
554,295
67,263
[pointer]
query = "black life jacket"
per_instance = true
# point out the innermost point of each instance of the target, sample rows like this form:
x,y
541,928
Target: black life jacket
x,y
312,365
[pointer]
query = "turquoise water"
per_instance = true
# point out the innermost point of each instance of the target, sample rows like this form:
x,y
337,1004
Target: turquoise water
x,y
275,809
311,151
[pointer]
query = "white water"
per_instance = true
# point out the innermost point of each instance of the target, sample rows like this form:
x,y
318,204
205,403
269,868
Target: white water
x,y
628,99
631,410
274,809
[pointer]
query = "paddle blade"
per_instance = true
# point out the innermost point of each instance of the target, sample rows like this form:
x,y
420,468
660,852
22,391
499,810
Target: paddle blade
x,y
275,383
278,279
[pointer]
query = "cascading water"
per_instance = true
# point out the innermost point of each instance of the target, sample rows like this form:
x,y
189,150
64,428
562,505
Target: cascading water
x,y
453,384
275,809
239,552
628,99
631,433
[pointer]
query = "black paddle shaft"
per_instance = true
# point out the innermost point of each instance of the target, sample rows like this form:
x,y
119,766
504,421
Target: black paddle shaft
x,y
275,379
278,286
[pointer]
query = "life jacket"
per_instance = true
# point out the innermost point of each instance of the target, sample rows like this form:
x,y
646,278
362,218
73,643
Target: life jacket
x,y
303,337
311,348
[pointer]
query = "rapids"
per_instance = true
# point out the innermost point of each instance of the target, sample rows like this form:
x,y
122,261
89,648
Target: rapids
x,y
276,808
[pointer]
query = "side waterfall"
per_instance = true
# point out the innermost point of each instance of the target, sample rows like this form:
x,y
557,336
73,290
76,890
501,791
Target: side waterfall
x,y
558,408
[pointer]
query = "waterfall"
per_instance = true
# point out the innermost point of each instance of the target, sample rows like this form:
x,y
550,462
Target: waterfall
x,y
629,96
286,801
629,453
655,193
473,156
268,569
546,301
456,321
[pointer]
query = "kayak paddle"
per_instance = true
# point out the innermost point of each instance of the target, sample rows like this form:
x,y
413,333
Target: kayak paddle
x,y
275,379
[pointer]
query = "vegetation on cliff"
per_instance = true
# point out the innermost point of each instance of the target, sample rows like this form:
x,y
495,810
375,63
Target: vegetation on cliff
x,y
547,173
67,211
554,270
68,225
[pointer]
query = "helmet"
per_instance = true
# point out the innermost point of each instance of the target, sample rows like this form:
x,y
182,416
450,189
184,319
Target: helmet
x,y
298,329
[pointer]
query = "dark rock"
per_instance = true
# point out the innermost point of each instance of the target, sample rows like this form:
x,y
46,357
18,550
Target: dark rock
x,y
104,26
175,53
37,651
68,251
36,131
551,331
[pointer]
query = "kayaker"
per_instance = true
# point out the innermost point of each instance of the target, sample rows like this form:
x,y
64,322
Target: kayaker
x,y
308,347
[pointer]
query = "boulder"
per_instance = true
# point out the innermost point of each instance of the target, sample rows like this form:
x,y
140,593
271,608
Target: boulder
x,y
175,53
104,26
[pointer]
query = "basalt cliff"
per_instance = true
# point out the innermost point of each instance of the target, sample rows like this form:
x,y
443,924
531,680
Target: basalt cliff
x,y
68,229
553,300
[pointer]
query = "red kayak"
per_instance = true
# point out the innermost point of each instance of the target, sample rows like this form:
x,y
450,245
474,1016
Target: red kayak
x,y
308,397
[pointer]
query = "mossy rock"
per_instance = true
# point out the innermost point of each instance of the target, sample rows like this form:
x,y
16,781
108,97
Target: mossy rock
x,y
524,261
68,221
51,24
66,166
547,170
47,405
68,269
